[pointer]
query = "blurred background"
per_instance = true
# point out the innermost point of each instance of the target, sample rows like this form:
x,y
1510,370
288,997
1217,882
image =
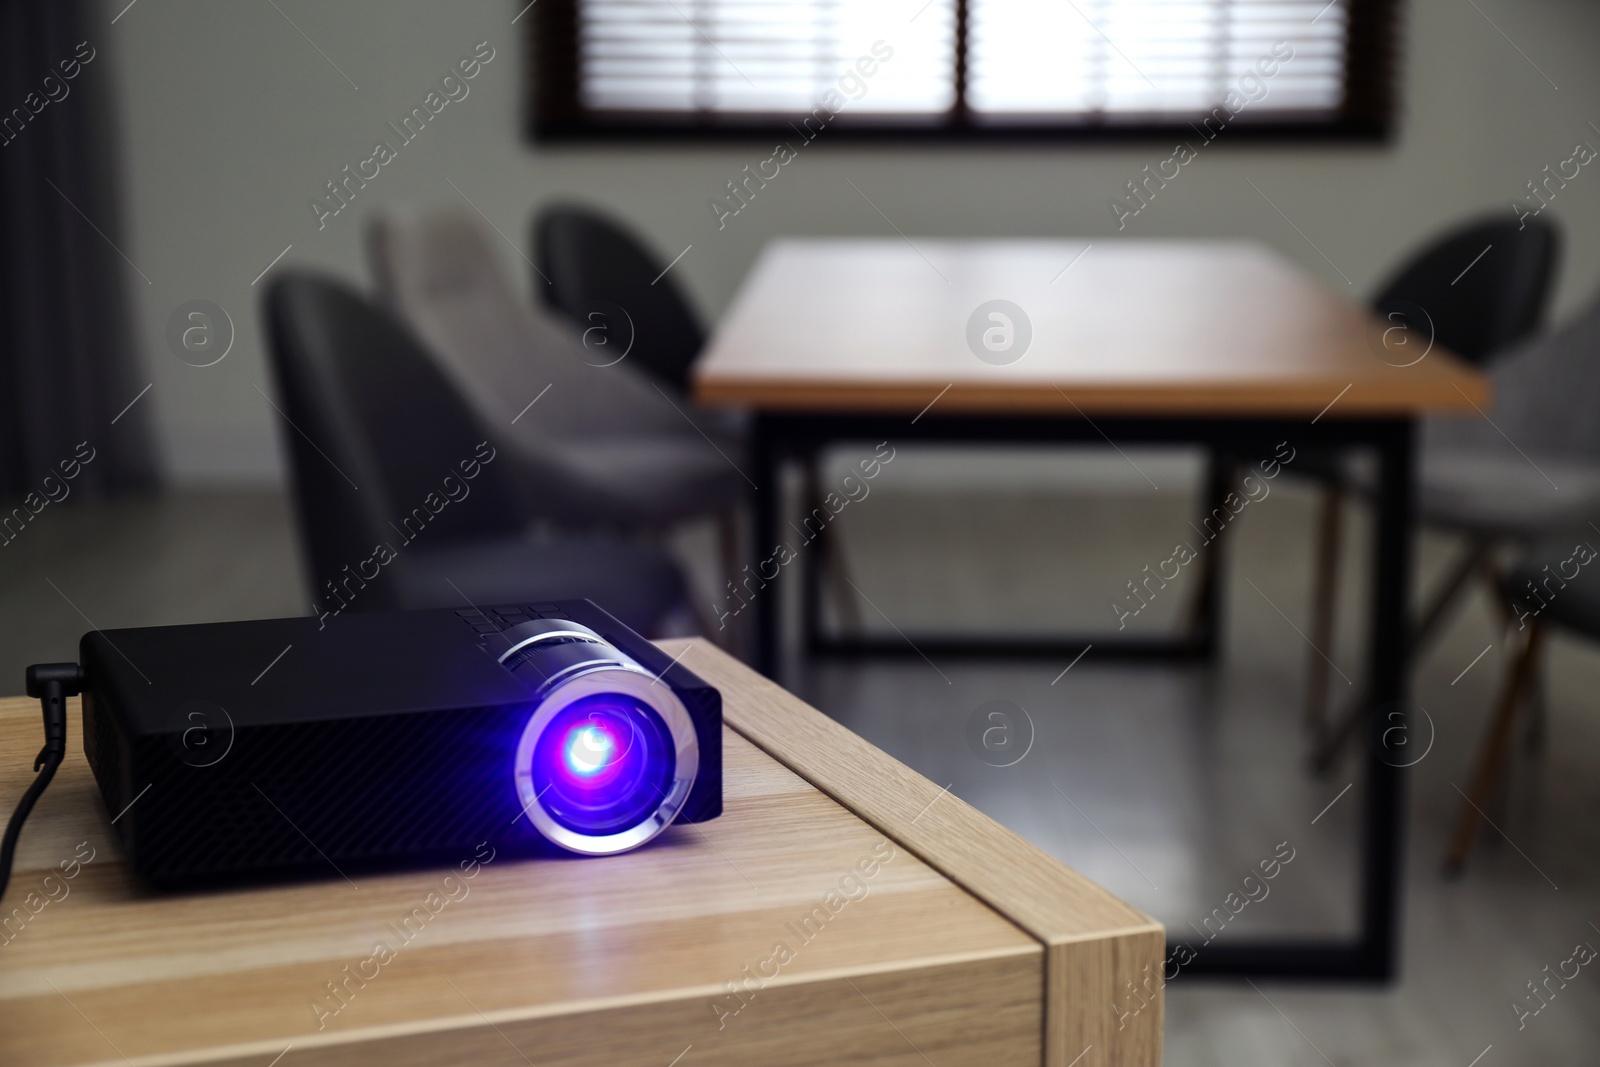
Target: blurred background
x,y
186,167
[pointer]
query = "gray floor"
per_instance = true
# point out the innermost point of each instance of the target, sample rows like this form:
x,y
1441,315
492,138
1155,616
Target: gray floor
x,y
1164,784
187,557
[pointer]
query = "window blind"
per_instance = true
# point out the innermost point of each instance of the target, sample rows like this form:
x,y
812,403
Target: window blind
x,y
1176,58
763,56
952,65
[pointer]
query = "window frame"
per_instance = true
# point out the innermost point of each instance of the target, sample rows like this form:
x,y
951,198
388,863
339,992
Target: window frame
x,y
555,115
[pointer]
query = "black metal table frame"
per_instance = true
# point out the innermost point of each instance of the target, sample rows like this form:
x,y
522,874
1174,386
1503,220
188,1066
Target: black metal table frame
x,y
781,437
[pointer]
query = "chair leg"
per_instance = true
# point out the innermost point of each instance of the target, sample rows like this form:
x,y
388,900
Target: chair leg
x,y
1492,576
1533,737
1324,604
1493,756
730,547
829,565
729,544
837,565
1333,741
1477,557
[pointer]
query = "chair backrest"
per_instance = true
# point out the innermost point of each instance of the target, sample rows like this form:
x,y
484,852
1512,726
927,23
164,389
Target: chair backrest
x,y
1547,392
439,272
1484,284
591,259
374,432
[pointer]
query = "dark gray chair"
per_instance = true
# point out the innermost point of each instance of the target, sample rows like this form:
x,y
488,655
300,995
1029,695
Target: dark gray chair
x,y
403,499
1482,284
1555,584
589,258
1481,288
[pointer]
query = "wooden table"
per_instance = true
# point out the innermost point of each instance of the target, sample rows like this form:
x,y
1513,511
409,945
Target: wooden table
x,y
1221,344
963,945
1178,328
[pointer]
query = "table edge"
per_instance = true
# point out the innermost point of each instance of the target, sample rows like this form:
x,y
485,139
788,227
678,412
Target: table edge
x,y
1037,892
1470,393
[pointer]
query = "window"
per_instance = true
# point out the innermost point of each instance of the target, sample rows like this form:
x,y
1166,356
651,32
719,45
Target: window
x,y
1001,68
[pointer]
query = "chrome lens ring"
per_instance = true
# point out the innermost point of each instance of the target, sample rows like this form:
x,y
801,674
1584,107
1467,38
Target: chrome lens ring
x,y
591,671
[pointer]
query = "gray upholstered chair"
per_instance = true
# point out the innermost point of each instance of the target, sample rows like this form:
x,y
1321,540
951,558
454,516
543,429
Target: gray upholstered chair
x,y
595,444
1529,465
1525,469
1539,482
1555,584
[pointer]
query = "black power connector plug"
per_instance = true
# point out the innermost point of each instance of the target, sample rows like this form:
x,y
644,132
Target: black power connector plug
x,y
51,684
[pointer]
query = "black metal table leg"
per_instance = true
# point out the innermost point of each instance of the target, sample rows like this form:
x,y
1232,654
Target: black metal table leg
x,y
811,567
1205,621
1372,954
765,511
1387,750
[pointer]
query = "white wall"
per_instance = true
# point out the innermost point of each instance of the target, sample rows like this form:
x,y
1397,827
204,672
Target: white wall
x,y
232,122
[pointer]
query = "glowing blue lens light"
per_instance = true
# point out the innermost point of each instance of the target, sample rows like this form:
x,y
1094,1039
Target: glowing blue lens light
x,y
589,750
604,763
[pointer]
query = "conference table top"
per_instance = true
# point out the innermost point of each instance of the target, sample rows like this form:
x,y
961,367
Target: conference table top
x,y
1167,328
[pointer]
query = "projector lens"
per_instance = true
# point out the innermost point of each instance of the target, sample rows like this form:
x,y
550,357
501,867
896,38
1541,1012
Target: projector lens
x,y
602,764
608,754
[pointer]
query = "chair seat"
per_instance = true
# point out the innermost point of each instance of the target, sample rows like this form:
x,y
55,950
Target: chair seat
x,y
636,481
636,583
1497,492
1571,602
666,479
1504,494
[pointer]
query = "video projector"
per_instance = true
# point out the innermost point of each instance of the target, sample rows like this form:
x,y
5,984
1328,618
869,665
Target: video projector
x,y
229,751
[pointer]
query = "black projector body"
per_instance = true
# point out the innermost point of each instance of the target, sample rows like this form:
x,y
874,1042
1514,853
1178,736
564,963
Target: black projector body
x,y
230,751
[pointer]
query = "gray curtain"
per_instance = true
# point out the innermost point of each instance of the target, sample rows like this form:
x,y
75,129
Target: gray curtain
x,y
67,362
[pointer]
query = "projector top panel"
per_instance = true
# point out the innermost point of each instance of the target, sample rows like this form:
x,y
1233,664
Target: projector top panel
x,y
274,671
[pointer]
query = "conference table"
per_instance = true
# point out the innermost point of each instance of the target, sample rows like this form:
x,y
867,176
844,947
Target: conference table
x,y
1219,344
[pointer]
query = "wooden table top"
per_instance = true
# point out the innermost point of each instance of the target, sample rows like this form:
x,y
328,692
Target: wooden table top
x,y
968,945
1125,327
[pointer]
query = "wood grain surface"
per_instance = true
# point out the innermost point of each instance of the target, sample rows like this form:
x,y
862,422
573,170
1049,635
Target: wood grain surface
x,y
619,960
1128,327
1095,942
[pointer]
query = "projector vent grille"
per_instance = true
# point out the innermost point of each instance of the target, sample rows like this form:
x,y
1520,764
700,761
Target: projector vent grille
x,y
365,790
